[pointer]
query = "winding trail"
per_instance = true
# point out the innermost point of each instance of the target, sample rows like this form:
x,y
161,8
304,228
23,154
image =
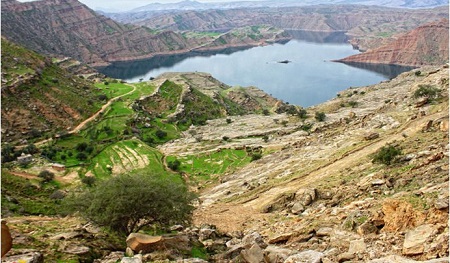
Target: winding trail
x,y
80,126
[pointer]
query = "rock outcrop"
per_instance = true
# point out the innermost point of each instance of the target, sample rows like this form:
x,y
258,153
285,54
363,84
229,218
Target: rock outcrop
x,y
426,45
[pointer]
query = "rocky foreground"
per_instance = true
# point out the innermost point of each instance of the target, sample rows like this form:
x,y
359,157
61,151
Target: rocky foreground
x,y
314,196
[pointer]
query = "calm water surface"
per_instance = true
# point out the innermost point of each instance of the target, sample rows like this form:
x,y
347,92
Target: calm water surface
x,y
310,78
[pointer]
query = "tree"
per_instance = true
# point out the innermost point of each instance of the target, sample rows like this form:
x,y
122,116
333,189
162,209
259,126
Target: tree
x,y
160,134
127,203
386,154
47,176
174,165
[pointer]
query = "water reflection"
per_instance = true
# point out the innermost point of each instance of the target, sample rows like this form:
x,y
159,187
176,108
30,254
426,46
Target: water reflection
x,y
389,71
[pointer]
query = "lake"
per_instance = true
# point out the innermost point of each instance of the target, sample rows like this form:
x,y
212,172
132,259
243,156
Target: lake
x,y
308,79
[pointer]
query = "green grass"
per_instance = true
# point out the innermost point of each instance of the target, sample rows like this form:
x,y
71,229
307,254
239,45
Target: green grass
x,y
202,166
114,89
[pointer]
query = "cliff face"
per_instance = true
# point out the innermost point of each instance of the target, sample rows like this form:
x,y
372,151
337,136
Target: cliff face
x,y
425,45
69,28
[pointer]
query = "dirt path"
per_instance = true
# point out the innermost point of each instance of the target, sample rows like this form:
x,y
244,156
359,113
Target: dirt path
x,y
83,123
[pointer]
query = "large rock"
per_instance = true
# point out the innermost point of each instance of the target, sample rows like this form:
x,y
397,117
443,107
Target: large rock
x,y
145,243
253,255
308,256
6,238
253,238
135,259
416,239
274,254
32,257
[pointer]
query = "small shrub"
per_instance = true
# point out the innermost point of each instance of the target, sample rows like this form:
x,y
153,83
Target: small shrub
x,y
47,176
225,138
88,180
81,156
353,103
266,112
418,73
306,127
174,165
229,120
160,134
386,154
256,156
302,113
320,116
284,123
265,138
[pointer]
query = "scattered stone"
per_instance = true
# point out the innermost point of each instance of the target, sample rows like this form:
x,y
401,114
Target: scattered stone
x,y
177,228
309,256
77,250
415,240
146,243
33,257
253,238
366,228
421,102
274,254
441,203
324,231
66,236
345,257
194,260
357,246
253,255
135,259
280,238
378,182
371,136
129,252
113,257
297,208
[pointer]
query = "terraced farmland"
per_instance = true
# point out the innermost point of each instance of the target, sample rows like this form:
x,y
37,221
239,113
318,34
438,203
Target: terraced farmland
x,y
126,156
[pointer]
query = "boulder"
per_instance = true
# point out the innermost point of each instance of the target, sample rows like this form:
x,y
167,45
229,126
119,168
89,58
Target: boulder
x,y
441,203
253,255
253,238
145,243
357,246
366,228
297,208
416,239
274,254
371,136
32,257
113,257
76,250
6,238
135,259
324,231
280,238
309,256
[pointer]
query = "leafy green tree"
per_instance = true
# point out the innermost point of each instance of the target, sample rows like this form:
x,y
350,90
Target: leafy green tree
x,y
174,165
127,203
47,176
160,134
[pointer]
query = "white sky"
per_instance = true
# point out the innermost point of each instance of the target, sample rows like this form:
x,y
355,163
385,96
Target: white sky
x,y
123,5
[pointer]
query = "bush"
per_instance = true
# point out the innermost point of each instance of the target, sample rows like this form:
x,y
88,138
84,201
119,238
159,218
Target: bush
x,y
427,91
256,156
160,134
81,156
266,112
127,203
174,165
386,155
302,113
320,116
88,180
353,103
47,176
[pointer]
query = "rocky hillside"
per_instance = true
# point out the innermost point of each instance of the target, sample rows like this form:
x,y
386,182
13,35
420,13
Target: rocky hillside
x,y
39,97
315,18
425,45
194,98
69,28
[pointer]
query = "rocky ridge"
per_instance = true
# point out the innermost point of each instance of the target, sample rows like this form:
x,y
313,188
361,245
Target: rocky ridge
x,y
425,45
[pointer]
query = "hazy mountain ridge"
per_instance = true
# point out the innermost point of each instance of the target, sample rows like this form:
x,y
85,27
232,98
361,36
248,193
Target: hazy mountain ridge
x,y
194,5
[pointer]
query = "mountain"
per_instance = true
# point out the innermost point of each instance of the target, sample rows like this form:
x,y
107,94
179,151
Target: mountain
x,y
194,5
425,45
39,98
355,19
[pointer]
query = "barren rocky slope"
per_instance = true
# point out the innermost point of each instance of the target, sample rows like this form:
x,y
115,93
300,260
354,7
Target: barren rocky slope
x,y
425,45
319,190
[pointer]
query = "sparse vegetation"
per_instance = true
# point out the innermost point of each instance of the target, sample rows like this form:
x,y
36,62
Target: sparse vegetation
x,y
428,91
386,154
46,176
320,116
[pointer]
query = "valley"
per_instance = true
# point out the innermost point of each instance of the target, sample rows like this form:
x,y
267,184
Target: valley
x,y
183,167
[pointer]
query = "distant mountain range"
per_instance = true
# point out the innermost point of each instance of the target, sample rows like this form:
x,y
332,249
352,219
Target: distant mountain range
x,y
194,5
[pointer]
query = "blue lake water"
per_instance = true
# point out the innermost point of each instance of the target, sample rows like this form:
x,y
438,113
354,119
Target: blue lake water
x,y
310,78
